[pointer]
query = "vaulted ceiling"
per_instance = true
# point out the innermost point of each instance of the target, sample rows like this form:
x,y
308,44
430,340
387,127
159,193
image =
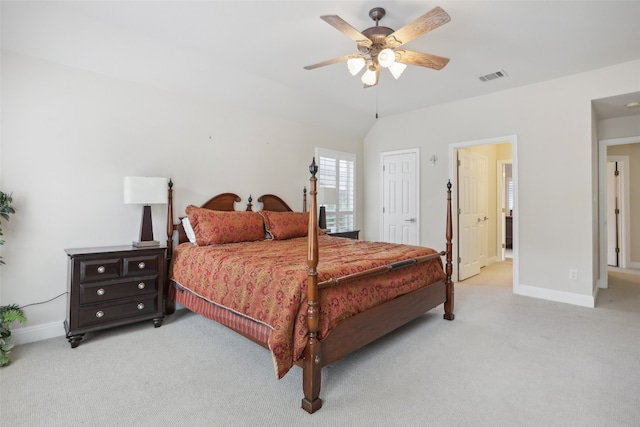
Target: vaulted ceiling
x,y
251,53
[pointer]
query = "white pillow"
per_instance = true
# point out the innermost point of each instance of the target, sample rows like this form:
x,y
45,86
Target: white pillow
x,y
188,229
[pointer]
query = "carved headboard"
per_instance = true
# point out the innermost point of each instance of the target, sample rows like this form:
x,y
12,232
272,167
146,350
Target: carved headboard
x,y
225,202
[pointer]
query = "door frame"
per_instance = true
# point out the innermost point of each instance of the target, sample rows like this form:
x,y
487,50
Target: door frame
x,y
501,211
415,151
603,144
453,176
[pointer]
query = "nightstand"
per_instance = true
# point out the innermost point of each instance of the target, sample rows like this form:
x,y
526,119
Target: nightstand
x,y
353,234
113,286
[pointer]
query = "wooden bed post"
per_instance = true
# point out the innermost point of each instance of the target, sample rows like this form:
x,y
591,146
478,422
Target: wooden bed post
x,y
304,199
312,365
169,304
170,219
448,305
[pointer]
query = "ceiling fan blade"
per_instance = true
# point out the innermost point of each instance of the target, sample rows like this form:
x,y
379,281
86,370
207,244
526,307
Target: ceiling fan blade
x,y
331,61
342,26
427,22
422,59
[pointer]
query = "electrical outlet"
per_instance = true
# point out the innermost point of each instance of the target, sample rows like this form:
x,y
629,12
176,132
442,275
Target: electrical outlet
x,y
573,274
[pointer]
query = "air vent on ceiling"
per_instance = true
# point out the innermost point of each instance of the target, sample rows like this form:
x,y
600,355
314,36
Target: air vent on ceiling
x,y
497,75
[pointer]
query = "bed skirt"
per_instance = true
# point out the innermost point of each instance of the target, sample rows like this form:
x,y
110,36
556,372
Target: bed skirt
x,y
248,327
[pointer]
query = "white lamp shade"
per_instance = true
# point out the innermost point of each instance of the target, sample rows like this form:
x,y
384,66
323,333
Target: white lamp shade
x,y
355,65
145,190
370,77
386,57
397,69
328,195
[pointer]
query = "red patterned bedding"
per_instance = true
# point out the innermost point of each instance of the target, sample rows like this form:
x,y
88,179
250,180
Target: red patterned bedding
x,y
266,281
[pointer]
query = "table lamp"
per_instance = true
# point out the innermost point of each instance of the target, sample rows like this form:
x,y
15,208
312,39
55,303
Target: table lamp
x,y
326,196
145,191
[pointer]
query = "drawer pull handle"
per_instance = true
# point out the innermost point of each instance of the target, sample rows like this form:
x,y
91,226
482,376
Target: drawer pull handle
x,y
141,265
141,285
99,313
101,269
140,306
100,291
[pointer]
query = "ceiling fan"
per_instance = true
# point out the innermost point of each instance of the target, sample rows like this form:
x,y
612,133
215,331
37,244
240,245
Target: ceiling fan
x,y
378,46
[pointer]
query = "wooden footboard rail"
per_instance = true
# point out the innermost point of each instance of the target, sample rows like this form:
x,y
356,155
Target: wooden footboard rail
x,y
379,270
312,363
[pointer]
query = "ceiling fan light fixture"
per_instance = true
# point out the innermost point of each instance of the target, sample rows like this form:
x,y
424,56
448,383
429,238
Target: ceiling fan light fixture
x,y
355,65
378,45
386,58
369,77
397,68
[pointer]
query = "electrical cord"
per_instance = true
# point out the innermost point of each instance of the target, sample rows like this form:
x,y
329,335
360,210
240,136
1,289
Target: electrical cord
x,y
44,302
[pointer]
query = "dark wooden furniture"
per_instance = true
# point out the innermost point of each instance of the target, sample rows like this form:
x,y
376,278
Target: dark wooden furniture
x,y
354,332
353,234
509,231
113,286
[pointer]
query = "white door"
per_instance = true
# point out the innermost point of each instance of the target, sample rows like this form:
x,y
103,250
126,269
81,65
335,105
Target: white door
x,y
483,214
502,210
472,221
613,217
400,197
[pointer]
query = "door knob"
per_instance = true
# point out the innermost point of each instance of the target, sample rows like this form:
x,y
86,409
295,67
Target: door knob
x,y
411,220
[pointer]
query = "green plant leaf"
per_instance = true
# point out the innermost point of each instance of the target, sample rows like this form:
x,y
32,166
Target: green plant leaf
x,y
4,360
11,313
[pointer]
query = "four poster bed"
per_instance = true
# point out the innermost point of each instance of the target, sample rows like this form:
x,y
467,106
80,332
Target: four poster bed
x,y
309,298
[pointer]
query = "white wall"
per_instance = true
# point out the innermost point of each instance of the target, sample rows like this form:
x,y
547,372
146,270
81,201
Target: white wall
x,y
70,136
620,127
557,196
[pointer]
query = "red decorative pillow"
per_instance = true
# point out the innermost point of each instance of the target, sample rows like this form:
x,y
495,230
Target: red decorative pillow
x,y
215,227
286,225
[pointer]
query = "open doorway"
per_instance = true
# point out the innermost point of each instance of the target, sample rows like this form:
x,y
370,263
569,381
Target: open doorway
x,y
617,206
505,209
501,200
615,201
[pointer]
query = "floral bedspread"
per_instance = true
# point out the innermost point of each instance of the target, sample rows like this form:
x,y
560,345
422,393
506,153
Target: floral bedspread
x,y
266,281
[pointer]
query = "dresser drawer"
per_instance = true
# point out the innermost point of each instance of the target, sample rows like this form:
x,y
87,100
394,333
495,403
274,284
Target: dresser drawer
x,y
101,291
106,313
100,269
140,264
112,286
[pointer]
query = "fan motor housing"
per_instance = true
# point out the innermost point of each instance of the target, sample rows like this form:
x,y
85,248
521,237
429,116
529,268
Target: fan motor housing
x,y
378,36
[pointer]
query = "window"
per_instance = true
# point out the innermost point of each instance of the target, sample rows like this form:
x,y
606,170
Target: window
x,y
336,188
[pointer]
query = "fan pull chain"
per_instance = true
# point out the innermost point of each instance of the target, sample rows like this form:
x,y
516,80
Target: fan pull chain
x,y
376,103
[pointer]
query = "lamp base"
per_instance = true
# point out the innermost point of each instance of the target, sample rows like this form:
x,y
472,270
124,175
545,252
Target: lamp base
x,y
146,244
322,218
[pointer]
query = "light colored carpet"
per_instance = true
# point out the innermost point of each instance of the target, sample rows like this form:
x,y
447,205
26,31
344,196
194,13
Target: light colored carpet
x,y
506,360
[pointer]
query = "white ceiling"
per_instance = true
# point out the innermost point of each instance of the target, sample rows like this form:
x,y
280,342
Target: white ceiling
x,y
252,53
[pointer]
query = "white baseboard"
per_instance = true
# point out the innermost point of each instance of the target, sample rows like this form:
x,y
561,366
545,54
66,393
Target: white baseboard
x,y
44,331
37,333
492,260
602,285
634,265
558,296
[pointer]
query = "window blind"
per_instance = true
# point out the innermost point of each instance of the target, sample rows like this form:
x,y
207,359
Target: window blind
x,y
336,188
